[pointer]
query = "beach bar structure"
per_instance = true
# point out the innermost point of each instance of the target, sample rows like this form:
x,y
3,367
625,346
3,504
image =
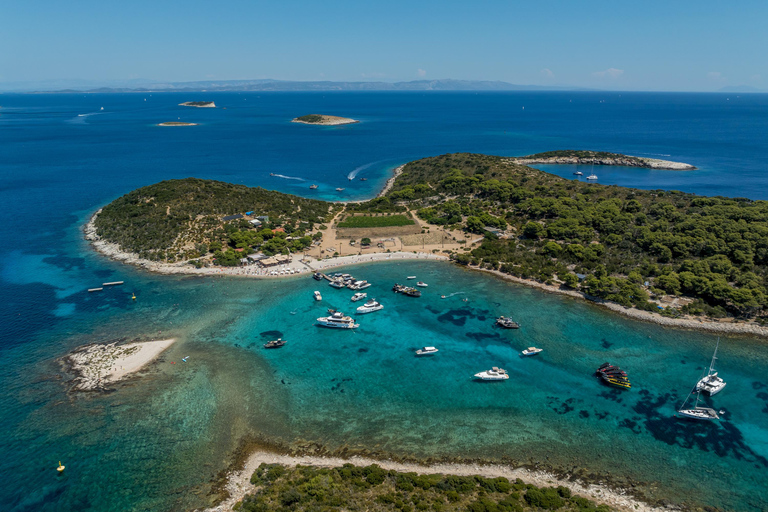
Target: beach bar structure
x,y
278,259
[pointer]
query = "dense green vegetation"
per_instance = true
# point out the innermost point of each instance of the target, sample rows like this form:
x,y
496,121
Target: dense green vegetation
x,y
311,118
573,153
628,245
372,488
712,249
369,221
181,219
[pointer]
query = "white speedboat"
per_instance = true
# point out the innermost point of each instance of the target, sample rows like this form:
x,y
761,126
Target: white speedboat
x,y
359,296
318,296
337,284
493,374
337,320
370,306
531,351
411,277
358,285
426,351
422,284
592,177
578,173
711,383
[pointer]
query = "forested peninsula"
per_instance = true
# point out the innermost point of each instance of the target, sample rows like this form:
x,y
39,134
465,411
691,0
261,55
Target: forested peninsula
x,y
622,245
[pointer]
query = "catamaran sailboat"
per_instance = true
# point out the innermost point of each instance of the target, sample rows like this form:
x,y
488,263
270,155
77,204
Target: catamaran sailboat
x,y
711,383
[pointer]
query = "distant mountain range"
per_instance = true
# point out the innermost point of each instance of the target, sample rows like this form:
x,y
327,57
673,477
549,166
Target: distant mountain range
x,y
275,85
740,88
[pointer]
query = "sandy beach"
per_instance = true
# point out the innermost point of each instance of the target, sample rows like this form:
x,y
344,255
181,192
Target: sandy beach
x,y
238,482
98,365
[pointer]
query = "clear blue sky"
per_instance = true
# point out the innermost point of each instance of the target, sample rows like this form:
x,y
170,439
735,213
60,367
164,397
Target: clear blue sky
x,y
639,45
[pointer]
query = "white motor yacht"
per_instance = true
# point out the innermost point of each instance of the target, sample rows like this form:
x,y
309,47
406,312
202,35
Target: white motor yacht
x,y
359,296
370,306
531,351
493,374
426,351
578,173
592,177
422,284
337,320
411,277
711,383
337,284
318,296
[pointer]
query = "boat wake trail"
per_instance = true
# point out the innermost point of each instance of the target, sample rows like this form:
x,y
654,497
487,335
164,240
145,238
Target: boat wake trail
x,y
454,293
286,177
352,175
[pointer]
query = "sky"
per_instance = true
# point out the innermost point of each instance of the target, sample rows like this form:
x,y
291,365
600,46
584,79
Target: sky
x,y
670,45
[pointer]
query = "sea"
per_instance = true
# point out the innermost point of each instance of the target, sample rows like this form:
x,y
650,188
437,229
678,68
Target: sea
x,y
159,441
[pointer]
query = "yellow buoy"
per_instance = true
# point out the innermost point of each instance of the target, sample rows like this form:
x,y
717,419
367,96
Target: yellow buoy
x,y
133,296
60,468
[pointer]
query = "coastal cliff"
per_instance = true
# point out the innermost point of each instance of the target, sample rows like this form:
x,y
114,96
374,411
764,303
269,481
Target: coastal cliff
x,y
574,157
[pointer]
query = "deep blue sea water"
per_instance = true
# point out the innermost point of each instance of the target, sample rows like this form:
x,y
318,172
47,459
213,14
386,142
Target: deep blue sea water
x,y
156,442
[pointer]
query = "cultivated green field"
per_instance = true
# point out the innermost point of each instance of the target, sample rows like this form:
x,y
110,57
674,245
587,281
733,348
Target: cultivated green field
x,y
375,222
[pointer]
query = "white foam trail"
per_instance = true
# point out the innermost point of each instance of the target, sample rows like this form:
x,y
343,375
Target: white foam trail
x,y
454,293
357,170
287,177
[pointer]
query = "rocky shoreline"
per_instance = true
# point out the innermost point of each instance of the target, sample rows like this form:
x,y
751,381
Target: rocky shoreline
x,y
689,322
96,366
391,181
114,252
327,121
238,481
623,161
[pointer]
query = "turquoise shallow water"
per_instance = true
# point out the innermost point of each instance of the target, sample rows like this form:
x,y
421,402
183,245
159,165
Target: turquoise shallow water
x,y
155,443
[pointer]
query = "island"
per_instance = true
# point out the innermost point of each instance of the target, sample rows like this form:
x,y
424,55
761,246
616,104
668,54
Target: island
x,y
198,104
176,123
324,120
665,256
580,157
94,367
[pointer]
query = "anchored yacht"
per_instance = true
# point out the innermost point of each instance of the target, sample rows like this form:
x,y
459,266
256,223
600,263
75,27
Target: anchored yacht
x,y
318,296
370,306
493,374
531,351
426,351
711,383
337,320
359,296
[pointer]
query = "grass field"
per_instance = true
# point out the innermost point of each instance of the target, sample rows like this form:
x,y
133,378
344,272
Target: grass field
x,y
375,222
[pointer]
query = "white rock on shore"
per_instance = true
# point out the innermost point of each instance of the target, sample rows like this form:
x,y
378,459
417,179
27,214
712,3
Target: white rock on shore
x,y
98,365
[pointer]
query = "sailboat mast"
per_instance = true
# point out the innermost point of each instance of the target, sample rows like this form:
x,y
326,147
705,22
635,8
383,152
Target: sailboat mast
x,y
714,357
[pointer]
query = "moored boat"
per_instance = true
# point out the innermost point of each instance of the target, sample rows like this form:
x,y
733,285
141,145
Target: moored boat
x,y
426,351
711,383
493,374
614,376
359,296
312,187
370,306
337,283
318,296
279,342
507,323
339,189
337,320
592,177
411,277
578,173
531,351
317,276
406,290
422,284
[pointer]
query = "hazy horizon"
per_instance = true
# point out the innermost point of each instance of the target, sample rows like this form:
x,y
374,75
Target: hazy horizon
x,y
683,46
